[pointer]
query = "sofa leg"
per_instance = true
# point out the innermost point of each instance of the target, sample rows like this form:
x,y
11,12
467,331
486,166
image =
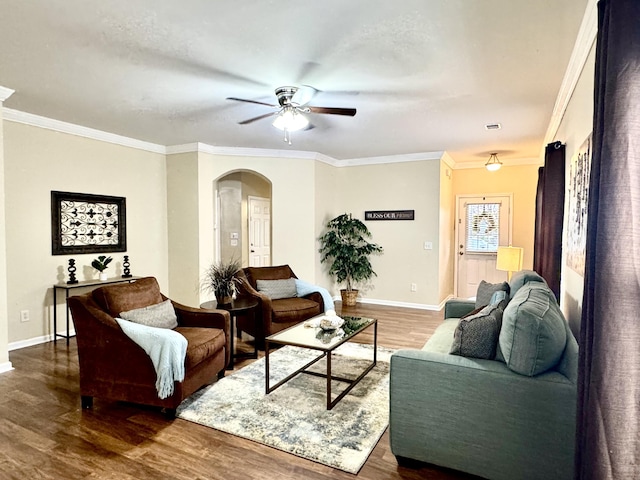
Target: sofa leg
x,y
86,401
170,413
221,374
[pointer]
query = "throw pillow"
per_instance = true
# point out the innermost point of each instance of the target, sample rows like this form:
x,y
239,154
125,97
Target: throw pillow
x,y
161,315
486,289
476,336
276,289
128,296
533,335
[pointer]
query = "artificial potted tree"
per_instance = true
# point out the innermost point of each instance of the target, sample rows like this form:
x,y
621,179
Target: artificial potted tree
x,y
345,247
101,263
221,280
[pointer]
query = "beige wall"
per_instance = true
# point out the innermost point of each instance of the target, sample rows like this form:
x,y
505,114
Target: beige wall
x,y
38,161
522,182
5,364
328,188
293,215
183,220
447,218
399,186
574,129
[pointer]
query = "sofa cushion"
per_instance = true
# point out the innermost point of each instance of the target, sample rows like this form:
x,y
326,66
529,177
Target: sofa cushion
x,y
486,290
297,309
161,315
476,336
128,296
202,343
519,279
533,334
276,289
440,341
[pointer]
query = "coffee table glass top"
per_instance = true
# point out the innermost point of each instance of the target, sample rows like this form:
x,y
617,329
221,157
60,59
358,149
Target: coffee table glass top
x,y
319,339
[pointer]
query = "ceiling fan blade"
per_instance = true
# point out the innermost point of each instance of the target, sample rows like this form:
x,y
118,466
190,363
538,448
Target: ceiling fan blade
x,y
333,111
303,95
251,120
251,101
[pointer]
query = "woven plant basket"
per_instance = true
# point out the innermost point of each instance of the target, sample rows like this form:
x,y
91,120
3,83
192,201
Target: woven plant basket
x,y
349,297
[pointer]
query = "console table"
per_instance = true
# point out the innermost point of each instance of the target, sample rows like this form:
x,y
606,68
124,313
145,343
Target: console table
x,y
70,286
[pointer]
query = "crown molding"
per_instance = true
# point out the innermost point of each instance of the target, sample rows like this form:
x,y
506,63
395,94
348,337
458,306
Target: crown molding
x,y
198,147
5,93
585,40
73,129
409,157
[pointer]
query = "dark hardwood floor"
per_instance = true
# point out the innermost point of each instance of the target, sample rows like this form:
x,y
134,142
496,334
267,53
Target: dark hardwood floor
x,y
44,434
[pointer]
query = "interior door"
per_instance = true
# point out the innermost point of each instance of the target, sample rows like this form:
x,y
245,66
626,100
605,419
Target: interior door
x,y
259,231
484,223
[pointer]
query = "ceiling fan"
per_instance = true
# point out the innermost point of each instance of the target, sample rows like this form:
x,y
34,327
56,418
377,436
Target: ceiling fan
x,y
293,103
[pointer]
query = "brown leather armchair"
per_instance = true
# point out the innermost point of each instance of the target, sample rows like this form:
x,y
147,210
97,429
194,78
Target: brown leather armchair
x,y
274,315
114,367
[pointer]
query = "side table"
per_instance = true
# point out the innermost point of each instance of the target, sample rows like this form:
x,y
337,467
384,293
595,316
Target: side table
x,y
70,286
238,306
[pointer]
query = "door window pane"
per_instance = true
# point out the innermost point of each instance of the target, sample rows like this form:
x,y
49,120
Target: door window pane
x,y
483,227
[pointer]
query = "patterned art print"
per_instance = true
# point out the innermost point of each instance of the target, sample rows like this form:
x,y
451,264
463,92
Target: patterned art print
x,y
86,223
579,170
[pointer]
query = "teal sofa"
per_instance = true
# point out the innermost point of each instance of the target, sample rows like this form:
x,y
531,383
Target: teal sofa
x,y
480,416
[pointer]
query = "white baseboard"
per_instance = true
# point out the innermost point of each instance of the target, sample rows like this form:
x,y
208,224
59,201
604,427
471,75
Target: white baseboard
x,y
30,342
5,367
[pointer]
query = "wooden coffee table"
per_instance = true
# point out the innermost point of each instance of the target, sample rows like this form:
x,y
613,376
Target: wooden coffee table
x,y
325,342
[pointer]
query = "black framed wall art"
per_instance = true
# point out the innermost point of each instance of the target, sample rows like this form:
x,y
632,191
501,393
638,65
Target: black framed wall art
x,y
85,223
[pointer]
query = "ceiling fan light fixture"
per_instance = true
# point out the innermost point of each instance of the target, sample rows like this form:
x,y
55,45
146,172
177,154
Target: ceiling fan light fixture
x,y
493,164
290,120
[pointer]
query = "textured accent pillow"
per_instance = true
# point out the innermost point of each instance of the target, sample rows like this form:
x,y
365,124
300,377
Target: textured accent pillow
x,y
161,315
275,289
477,336
533,334
486,290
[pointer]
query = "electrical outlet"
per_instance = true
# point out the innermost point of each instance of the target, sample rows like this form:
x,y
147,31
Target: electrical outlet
x,y
428,245
414,287
24,315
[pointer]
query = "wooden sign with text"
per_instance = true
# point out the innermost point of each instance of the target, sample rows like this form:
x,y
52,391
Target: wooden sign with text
x,y
389,215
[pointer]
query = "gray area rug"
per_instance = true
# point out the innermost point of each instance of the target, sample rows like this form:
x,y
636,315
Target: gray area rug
x,y
294,417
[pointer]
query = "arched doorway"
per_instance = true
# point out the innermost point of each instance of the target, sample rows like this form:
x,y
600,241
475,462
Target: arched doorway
x,y
240,228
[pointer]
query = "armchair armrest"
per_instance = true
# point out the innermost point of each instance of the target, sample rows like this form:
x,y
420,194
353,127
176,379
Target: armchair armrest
x,y
264,301
457,307
198,317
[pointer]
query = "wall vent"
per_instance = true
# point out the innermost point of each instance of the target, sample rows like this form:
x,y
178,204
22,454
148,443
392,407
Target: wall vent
x,y
493,126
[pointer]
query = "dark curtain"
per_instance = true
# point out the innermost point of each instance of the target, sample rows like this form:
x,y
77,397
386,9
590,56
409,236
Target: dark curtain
x,y
547,246
608,422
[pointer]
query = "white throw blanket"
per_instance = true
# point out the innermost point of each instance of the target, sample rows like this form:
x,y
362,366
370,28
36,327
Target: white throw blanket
x,y
305,288
166,349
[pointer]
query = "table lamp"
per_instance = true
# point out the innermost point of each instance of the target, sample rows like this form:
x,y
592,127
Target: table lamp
x,y
509,259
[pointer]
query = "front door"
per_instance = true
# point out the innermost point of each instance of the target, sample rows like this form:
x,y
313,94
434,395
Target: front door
x,y
484,222
259,231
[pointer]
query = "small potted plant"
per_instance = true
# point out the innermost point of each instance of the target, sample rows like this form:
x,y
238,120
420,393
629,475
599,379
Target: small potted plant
x,y
220,279
101,263
345,247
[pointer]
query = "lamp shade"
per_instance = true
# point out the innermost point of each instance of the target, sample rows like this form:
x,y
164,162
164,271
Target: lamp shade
x,y
493,163
510,259
291,120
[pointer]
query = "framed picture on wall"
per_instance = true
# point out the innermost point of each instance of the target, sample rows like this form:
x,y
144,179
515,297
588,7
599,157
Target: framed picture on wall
x,y
85,223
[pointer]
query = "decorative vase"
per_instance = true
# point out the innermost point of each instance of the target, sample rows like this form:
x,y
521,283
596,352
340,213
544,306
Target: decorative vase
x,y
349,297
223,300
102,276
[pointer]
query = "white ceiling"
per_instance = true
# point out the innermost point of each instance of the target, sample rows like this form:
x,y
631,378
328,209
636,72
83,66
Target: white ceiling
x,y
424,75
